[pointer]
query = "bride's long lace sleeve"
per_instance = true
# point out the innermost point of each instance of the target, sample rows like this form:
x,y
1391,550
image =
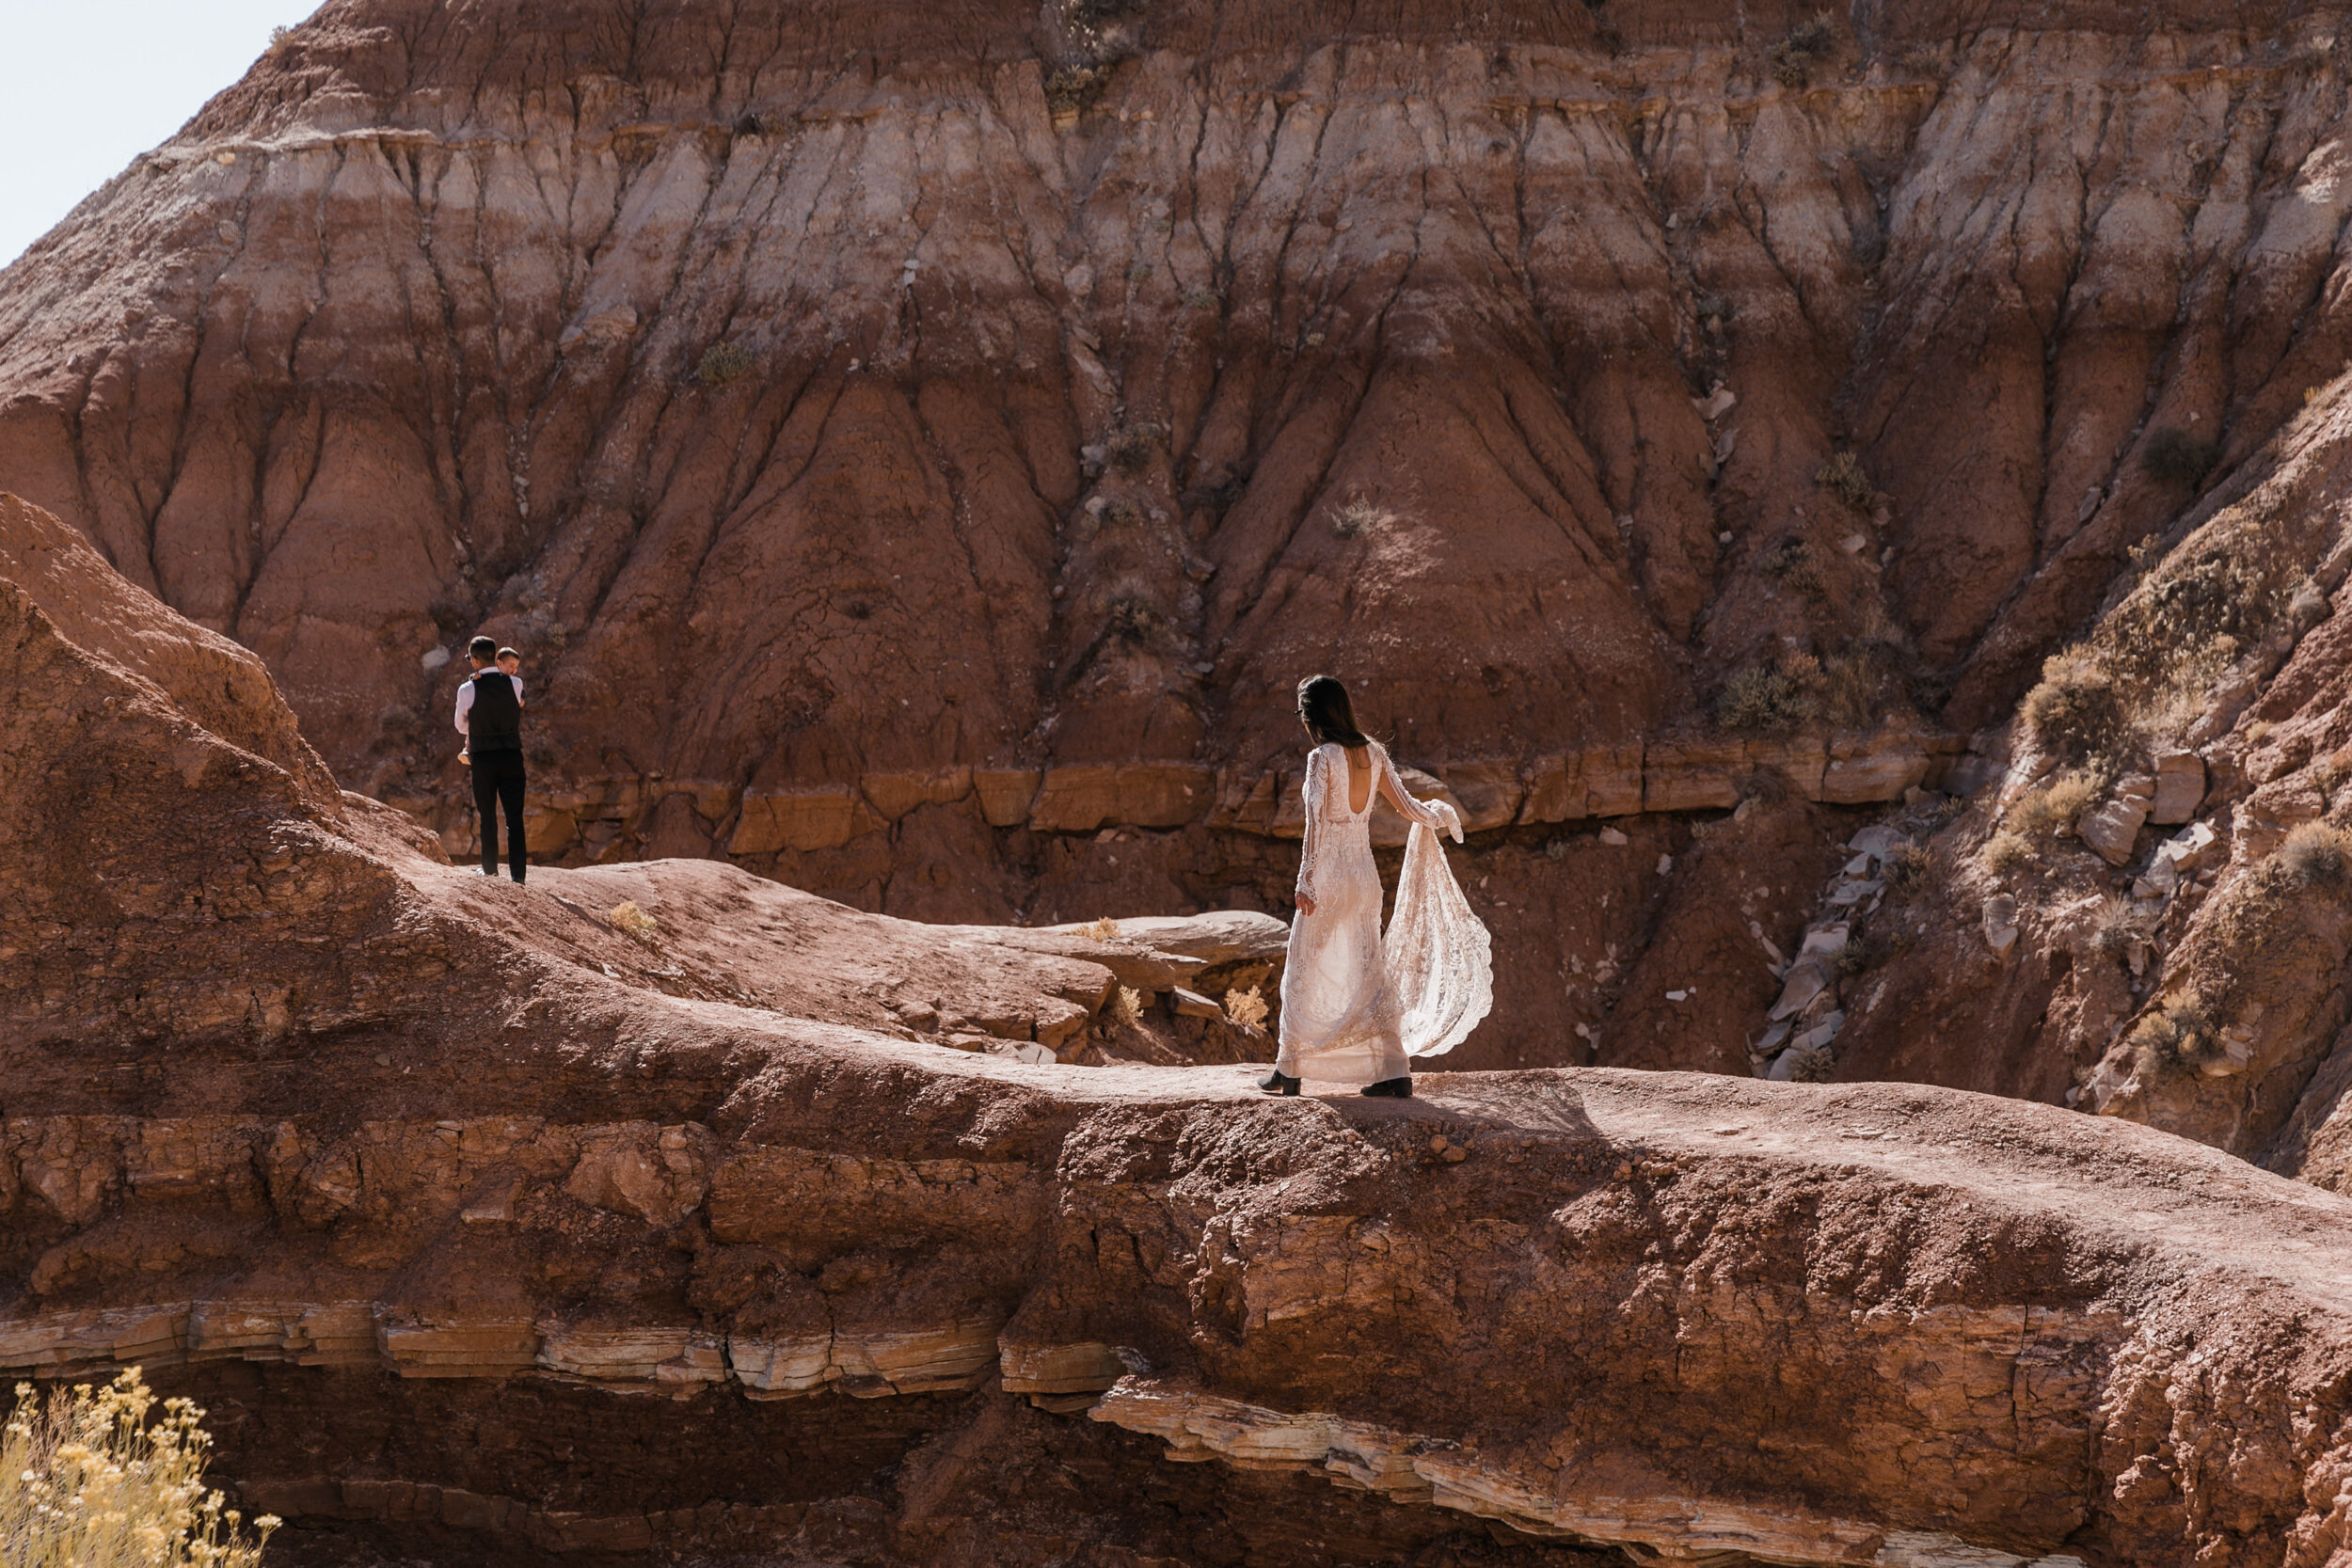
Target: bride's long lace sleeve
x,y
1318,778
1437,815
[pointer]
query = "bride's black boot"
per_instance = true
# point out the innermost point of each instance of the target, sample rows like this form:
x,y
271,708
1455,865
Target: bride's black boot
x,y
1280,1083
1396,1088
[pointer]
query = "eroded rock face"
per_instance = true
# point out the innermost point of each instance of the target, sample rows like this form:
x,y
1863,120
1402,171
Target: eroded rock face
x,y
900,478
2143,911
477,1172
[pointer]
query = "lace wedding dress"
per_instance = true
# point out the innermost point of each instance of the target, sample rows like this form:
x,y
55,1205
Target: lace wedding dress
x,y
1355,1006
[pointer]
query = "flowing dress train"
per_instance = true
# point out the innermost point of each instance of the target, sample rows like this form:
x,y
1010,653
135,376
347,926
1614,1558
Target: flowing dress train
x,y
1356,1007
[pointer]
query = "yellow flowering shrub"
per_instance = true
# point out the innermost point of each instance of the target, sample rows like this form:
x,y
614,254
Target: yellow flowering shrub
x,y
87,1482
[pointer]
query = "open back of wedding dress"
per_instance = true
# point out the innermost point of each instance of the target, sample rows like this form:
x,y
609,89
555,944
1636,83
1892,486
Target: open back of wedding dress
x,y
1356,1007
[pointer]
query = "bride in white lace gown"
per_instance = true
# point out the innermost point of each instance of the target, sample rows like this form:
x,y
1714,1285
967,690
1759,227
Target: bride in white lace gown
x,y
1354,1005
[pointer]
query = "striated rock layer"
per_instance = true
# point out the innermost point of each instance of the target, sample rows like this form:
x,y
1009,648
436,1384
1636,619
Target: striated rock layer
x,y
494,1233
918,449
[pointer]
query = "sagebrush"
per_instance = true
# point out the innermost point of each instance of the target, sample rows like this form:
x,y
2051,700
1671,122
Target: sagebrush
x,y
1246,1007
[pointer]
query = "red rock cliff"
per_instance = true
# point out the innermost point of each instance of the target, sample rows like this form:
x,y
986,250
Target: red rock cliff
x,y
918,447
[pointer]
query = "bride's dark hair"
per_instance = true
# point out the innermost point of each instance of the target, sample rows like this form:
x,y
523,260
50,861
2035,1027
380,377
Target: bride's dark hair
x,y
1323,709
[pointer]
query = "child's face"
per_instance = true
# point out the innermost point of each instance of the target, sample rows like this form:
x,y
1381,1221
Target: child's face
x,y
511,664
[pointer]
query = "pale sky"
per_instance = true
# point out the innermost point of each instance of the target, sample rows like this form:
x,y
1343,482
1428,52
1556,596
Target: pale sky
x,y
92,83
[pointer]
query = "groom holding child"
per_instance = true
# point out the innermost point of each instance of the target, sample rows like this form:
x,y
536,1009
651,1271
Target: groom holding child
x,y
490,717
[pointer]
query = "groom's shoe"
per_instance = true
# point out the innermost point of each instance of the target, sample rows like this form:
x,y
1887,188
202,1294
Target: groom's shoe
x,y
1280,1083
1396,1088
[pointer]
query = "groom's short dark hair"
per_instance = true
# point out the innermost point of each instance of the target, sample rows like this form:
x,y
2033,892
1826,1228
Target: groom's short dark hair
x,y
484,648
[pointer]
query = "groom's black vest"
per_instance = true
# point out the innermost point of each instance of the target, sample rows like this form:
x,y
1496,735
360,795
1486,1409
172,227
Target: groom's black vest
x,y
495,723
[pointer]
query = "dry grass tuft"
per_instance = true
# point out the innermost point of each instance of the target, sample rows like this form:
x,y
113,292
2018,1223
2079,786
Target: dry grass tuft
x,y
1246,1007
1851,690
630,921
1771,699
1843,477
2076,713
1791,561
2179,1034
1357,515
2006,853
1104,929
2316,858
87,1483
2117,930
1128,1006
2053,809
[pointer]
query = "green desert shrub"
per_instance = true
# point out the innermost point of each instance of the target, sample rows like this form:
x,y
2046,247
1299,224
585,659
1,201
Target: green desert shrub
x,y
1790,562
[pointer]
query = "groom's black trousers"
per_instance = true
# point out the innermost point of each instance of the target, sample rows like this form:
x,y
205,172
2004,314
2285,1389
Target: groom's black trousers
x,y
498,781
